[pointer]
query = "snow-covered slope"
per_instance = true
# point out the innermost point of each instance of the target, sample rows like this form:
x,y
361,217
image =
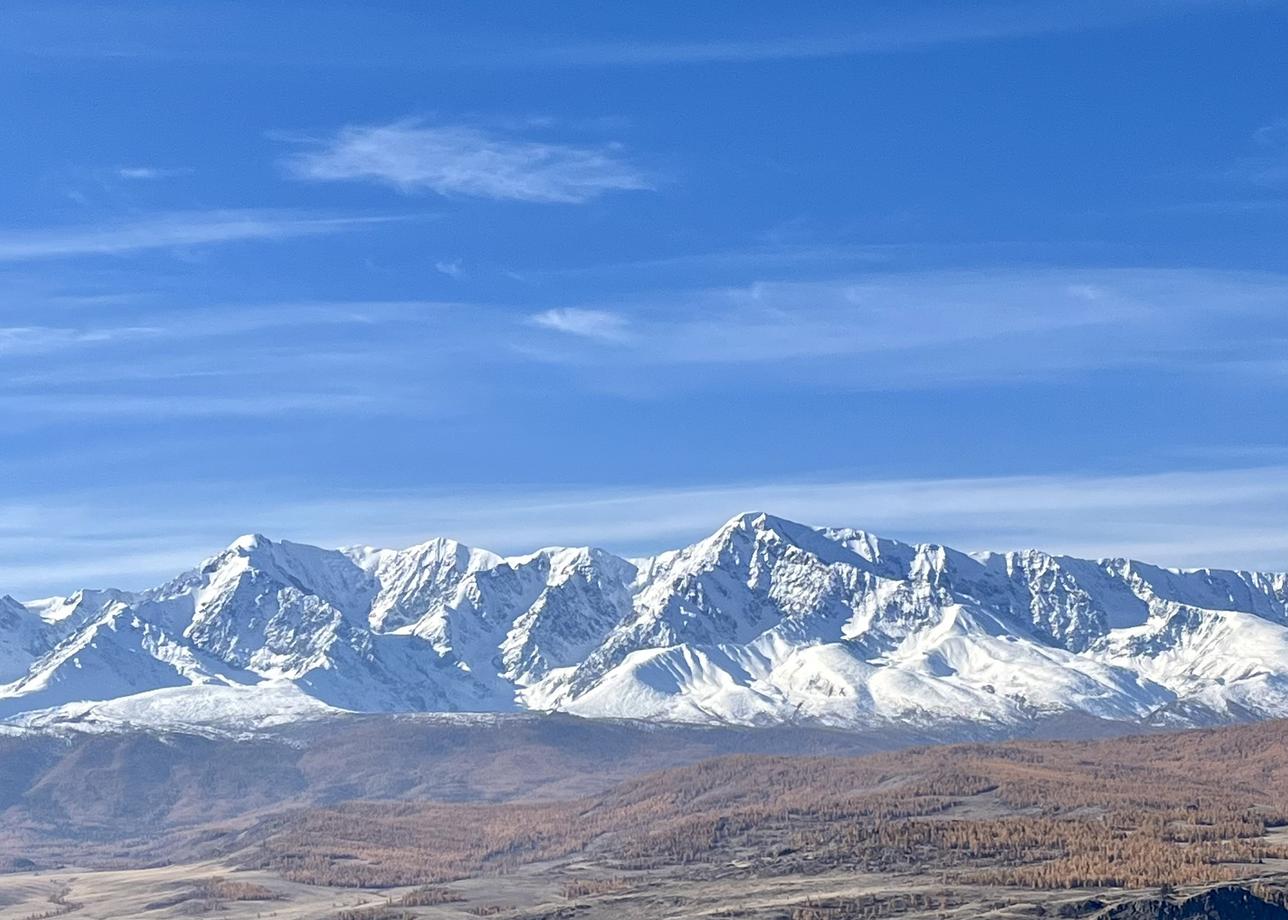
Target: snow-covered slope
x,y
766,621
23,638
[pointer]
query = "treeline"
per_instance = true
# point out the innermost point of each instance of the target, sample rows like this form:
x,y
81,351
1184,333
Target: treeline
x,y
428,896
373,913
587,887
62,906
874,906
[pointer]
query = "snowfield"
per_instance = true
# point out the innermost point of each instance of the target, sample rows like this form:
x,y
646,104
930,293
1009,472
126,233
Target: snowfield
x,y
764,622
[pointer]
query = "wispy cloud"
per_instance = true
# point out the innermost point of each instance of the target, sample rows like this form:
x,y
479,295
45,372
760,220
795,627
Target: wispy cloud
x,y
456,160
928,329
149,173
1207,517
198,405
24,340
405,359
197,326
135,34
590,324
1216,517
169,231
451,269
871,333
915,27
1268,166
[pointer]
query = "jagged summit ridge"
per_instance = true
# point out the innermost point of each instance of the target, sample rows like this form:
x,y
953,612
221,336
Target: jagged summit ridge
x,y
765,621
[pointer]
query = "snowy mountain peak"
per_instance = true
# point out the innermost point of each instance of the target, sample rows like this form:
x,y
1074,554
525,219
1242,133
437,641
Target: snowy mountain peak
x,y
760,523
23,636
765,620
14,616
756,520
248,543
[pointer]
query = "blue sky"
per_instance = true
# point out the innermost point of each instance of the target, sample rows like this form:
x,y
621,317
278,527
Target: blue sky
x,y
990,274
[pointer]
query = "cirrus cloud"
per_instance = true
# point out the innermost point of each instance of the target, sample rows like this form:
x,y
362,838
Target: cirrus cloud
x,y
589,324
169,231
457,160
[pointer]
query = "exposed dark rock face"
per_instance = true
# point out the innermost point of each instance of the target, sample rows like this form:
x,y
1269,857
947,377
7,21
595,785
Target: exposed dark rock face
x,y
1227,903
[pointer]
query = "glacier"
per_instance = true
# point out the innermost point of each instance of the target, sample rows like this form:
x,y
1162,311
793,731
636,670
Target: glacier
x,y
765,622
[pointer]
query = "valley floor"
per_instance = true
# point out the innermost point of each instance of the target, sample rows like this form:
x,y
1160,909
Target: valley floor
x,y
483,820
561,889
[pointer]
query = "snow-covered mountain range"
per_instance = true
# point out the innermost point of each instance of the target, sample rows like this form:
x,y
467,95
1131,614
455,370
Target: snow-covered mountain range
x,y
766,621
